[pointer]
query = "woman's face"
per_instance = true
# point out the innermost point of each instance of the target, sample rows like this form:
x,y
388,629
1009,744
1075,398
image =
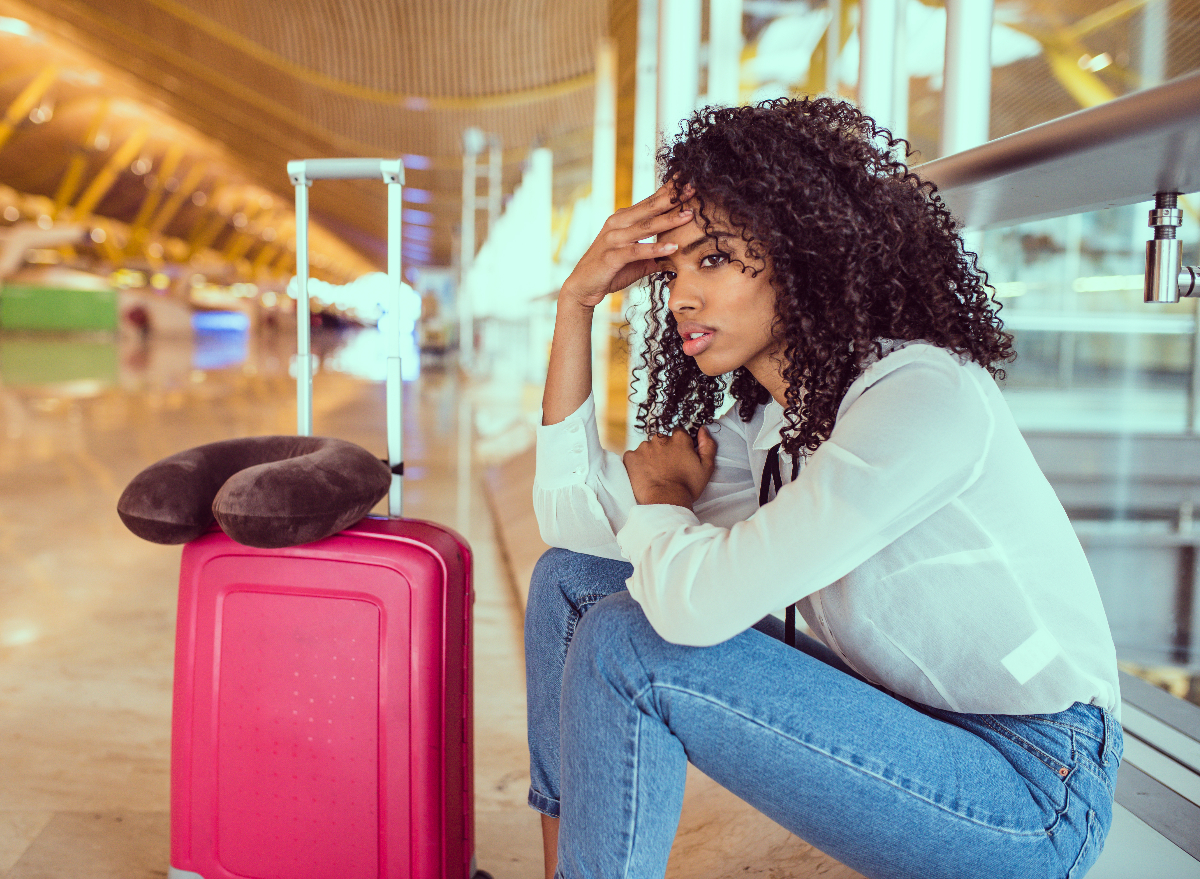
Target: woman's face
x,y
724,313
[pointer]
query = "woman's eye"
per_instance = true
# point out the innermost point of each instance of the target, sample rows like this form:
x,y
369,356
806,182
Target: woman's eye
x,y
666,277
713,259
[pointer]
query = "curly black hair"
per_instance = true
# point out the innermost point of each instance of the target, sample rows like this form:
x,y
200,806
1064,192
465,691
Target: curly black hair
x,y
860,250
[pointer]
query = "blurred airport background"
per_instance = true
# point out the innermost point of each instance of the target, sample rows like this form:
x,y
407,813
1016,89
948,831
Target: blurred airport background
x,y
147,226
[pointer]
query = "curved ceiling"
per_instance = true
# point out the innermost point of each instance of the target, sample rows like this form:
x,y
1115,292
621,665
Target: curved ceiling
x,y
168,124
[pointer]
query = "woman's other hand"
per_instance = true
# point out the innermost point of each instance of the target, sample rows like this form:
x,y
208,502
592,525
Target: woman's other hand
x,y
671,469
618,258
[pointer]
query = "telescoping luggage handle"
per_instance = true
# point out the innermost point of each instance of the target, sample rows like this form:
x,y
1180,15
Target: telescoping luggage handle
x,y
302,173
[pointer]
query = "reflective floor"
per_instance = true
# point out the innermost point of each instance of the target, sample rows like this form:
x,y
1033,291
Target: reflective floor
x,y
87,609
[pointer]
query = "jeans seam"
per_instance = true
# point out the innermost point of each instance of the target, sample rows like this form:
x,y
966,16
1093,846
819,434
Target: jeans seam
x,y
1089,840
1033,718
813,747
633,812
1027,745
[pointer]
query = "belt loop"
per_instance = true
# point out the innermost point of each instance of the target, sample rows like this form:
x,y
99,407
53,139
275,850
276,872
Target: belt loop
x,y
1106,745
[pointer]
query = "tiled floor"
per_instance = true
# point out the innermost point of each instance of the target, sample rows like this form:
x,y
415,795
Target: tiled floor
x,y
87,609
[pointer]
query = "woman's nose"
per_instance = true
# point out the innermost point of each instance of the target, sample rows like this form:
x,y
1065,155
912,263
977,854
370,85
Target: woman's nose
x,y
683,297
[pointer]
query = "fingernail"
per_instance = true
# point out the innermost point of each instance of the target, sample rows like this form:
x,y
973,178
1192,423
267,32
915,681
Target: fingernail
x,y
670,248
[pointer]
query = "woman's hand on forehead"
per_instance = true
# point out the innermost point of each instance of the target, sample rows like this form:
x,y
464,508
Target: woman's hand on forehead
x,y
620,256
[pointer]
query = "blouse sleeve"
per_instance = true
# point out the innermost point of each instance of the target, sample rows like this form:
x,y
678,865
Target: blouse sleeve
x,y
910,443
582,496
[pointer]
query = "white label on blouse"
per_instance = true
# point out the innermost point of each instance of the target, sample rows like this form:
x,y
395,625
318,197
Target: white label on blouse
x,y
1032,656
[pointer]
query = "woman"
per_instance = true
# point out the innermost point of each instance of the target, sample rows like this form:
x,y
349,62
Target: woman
x,y
954,713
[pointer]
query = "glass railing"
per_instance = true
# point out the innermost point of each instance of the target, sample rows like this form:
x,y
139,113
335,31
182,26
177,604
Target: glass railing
x,y
1105,386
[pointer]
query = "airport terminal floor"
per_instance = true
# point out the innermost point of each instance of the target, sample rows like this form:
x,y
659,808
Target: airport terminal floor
x,y
87,638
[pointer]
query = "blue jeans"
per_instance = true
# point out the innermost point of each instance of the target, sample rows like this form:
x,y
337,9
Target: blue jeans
x,y
887,786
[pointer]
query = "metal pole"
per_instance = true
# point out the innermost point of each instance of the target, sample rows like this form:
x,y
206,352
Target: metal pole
x,y
967,93
724,51
877,60
393,175
304,415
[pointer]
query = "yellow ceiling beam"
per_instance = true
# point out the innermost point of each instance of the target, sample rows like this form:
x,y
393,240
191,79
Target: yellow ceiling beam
x,y
1063,50
285,263
138,232
241,240
104,181
73,176
264,259
204,235
1084,86
1108,15
176,199
25,101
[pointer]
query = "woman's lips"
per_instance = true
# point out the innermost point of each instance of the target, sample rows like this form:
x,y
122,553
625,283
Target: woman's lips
x,y
696,339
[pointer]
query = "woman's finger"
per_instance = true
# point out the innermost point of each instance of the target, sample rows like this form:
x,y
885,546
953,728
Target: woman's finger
x,y
706,447
662,202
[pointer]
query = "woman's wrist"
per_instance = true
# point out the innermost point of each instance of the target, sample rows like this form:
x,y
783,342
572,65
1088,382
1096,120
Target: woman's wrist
x,y
572,300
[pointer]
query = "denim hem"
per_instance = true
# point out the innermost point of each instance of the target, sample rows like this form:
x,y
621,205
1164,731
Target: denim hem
x,y
539,802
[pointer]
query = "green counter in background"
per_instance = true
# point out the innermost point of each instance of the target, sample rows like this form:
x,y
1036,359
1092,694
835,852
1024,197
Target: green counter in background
x,y
47,308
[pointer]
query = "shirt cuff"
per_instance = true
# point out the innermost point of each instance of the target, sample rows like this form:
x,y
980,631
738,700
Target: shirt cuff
x,y
647,522
565,450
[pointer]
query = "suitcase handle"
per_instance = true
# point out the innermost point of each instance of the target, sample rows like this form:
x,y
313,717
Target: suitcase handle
x,y
391,171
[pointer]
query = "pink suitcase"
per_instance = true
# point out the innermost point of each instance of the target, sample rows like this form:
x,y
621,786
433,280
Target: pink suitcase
x,y
322,723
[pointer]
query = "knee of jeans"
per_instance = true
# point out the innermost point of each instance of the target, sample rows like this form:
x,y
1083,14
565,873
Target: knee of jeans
x,y
575,577
611,620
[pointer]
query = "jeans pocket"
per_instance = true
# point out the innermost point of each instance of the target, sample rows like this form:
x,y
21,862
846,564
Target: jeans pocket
x,y
1050,746
1044,758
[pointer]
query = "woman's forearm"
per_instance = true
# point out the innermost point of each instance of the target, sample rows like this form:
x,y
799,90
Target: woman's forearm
x,y
569,373
616,259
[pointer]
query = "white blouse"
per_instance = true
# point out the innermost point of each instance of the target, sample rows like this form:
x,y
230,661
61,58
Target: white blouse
x,y
920,542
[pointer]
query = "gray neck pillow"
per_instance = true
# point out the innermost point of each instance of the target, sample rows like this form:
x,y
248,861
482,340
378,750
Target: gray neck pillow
x,y
265,491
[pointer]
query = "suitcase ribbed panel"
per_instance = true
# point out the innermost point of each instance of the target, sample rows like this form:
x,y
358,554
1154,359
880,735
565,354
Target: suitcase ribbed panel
x,y
297,737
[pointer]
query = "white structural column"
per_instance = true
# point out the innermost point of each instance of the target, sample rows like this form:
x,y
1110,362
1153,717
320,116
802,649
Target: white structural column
x,y
604,132
899,126
877,60
604,197
724,51
645,145
1154,42
645,113
678,62
494,170
474,141
833,47
967,94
